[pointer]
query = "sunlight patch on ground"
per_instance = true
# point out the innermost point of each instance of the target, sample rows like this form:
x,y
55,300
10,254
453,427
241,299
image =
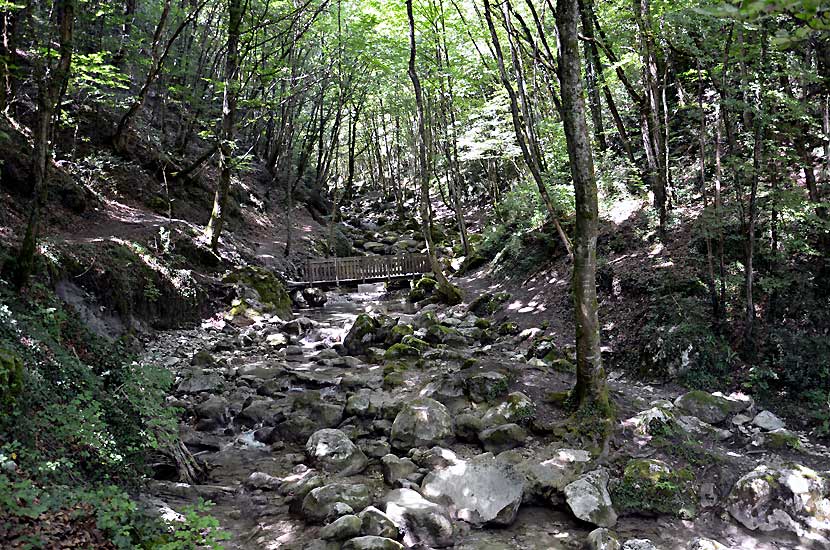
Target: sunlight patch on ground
x,y
623,210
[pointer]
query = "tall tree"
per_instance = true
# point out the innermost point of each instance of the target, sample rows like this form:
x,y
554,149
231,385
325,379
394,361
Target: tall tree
x,y
52,78
226,143
450,293
590,392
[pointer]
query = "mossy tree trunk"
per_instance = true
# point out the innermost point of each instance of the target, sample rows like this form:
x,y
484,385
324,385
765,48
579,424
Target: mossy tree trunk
x,y
590,392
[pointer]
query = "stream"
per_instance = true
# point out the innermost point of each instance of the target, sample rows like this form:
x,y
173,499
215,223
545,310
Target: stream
x,y
253,395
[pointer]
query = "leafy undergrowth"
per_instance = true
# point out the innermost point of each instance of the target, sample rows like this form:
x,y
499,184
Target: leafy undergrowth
x,y
79,417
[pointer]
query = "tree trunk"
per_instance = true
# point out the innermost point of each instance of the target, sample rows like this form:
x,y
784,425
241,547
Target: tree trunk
x,y
447,290
593,73
229,99
51,83
590,393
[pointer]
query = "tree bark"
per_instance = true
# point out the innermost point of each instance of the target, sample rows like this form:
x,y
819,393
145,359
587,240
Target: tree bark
x,y
447,290
590,392
51,84
229,100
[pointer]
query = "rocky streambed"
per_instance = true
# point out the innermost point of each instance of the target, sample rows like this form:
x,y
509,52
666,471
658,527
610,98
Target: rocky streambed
x,y
363,426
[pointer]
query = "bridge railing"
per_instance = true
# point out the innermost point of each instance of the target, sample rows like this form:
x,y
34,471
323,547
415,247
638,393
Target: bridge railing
x,y
362,268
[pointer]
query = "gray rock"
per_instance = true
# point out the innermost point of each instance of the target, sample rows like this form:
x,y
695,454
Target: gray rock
x,y
588,499
549,471
342,528
712,409
334,452
467,426
639,544
372,543
376,523
199,382
502,438
394,468
214,410
263,481
483,490
422,522
517,408
486,386
768,421
422,422
791,498
705,544
602,539
374,448
320,503
314,297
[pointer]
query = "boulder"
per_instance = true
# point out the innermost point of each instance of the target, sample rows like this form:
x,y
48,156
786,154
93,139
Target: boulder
x,y
768,421
333,451
315,297
517,408
362,334
421,521
342,528
602,539
790,498
502,438
467,427
651,486
213,413
588,499
263,481
376,523
320,503
547,473
483,490
372,543
639,544
394,468
486,386
199,382
712,409
421,422
705,544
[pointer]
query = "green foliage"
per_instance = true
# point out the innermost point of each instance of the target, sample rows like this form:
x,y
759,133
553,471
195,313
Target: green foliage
x,y
11,379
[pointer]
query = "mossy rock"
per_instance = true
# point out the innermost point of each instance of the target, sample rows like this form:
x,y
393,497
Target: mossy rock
x,y
398,333
442,334
651,486
562,365
401,351
11,378
781,439
415,342
422,289
509,328
483,323
364,333
472,262
426,319
488,303
450,295
270,289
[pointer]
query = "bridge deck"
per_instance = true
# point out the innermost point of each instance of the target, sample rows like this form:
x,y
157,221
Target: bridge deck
x,y
364,268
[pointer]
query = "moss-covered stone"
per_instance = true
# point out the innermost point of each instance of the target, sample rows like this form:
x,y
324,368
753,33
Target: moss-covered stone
x,y
11,378
651,486
362,334
401,351
415,342
271,291
398,333
442,334
450,295
562,365
781,439
488,303
483,323
509,328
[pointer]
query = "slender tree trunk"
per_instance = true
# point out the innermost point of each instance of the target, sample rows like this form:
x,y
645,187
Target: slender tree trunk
x,y
713,293
447,290
51,83
229,100
590,393
593,73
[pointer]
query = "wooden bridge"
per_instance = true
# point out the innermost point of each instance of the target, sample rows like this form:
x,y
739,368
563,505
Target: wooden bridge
x,y
333,271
